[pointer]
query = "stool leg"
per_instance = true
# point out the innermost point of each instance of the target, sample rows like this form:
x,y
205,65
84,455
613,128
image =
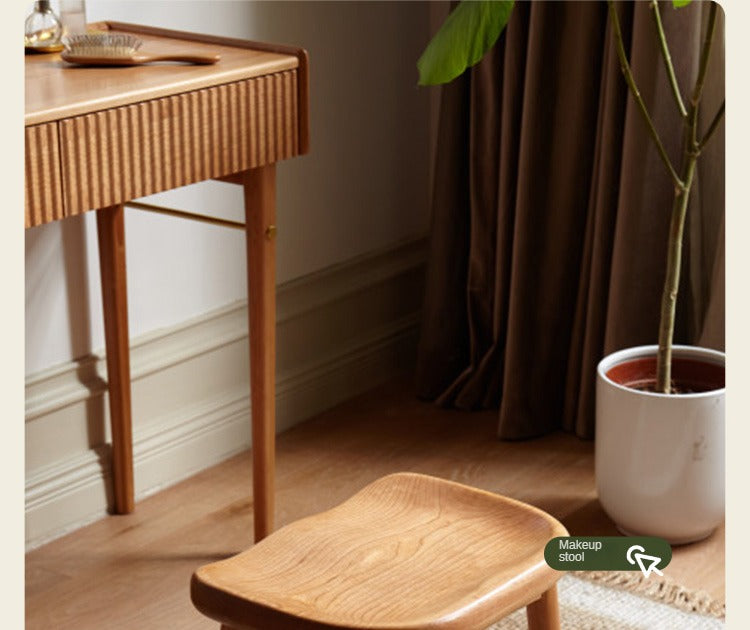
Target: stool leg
x,y
544,613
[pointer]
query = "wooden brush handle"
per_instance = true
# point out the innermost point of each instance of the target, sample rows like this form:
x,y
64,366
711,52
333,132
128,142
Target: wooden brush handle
x,y
187,58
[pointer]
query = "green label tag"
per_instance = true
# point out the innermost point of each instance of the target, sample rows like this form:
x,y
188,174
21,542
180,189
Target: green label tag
x,y
608,553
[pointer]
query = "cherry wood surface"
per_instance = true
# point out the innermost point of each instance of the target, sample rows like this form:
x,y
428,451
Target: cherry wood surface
x,y
110,223
43,195
140,564
407,551
56,89
544,613
260,229
97,138
123,153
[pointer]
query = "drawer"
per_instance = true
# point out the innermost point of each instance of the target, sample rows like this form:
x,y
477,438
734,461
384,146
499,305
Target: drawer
x,y
127,152
43,199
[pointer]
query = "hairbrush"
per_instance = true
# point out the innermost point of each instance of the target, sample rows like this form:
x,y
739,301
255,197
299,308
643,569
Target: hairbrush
x,y
116,49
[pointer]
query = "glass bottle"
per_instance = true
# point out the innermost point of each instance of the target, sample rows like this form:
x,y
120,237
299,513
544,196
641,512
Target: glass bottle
x,y
73,16
42,28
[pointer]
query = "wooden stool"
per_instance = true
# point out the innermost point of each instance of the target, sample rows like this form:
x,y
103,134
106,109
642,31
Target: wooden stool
x,y
408,551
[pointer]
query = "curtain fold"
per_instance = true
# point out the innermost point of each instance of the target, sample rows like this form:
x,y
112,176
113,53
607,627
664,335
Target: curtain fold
x,y
551,210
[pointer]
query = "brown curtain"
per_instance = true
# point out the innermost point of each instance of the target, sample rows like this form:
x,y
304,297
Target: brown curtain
x,y
551,209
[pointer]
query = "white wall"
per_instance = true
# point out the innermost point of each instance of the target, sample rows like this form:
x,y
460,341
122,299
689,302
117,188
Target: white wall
x,y
352,218
363,187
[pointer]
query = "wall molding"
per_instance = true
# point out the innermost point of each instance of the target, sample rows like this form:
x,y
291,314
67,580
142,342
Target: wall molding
x,y
317,367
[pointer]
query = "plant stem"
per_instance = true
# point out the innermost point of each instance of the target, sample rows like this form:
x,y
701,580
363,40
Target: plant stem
x,y
637,95
668,59
705,53
672,280
712,127
679,211
698,89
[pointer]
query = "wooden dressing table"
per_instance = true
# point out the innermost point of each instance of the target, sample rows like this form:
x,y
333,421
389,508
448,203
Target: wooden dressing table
x,y
97,138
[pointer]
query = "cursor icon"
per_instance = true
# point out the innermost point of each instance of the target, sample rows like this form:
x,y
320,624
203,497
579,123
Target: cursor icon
x,y
645,562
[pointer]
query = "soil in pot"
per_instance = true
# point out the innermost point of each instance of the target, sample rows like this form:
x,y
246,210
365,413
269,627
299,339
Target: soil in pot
x,y
689,376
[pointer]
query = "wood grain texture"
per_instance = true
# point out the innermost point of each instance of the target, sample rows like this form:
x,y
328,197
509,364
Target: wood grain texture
x,y
303,61
110,223
260,243
544,613
57,90
43,199
124,153
140,564
407,551
124,133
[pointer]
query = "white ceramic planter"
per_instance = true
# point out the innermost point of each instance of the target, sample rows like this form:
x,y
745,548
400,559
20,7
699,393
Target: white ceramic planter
x,y
660,458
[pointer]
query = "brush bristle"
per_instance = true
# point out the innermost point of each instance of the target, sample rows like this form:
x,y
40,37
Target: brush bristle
x,y
102,44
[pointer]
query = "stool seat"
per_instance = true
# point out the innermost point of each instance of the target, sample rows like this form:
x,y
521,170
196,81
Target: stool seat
x,y
408,551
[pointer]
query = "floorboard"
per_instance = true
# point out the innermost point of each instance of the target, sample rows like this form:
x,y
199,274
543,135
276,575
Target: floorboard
x,y
133,571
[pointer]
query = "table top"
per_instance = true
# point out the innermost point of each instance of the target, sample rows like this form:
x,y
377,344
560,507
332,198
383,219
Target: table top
x,y
56,89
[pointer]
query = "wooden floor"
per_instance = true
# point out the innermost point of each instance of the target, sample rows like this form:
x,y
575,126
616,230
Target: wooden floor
x,y
133,571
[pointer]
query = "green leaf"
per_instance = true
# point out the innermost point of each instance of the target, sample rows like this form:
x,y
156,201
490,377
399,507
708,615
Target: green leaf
x,y
470,30
680,3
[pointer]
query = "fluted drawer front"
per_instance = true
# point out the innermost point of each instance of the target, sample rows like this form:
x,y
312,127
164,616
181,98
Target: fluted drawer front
x,y
124,153
43,199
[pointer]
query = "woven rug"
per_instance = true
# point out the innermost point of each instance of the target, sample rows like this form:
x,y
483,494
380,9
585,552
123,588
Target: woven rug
x,y
612,600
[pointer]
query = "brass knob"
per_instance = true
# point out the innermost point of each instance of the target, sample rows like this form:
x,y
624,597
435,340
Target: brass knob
x,y
271,232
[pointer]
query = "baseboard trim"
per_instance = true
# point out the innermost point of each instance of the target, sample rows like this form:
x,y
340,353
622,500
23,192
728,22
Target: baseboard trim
x,y
75,489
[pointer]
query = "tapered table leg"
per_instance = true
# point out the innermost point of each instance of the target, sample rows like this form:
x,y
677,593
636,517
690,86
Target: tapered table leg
x,y
544,613
111,232
260,220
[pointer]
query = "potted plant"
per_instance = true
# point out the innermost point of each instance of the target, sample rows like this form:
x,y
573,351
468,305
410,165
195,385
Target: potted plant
x,y
660,408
